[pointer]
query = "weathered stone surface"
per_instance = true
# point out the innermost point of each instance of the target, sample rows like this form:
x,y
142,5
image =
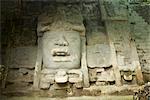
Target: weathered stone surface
x,y
61,86
61,50
78,85
64,46
48,71
17,88
96,35
127,78
61,77
99,70
23,71
92,74
22,57
3,75
114,10
50,78
16,76
2,70
107,76
119,32
98,56
98,83
84,67
44,85
61,18
146,77
75,76
38,65
101,75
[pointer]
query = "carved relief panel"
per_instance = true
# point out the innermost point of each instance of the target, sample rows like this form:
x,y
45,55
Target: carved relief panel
x,y
60,35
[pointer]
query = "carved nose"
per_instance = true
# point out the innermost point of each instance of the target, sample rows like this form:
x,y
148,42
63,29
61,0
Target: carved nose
x,y
62,42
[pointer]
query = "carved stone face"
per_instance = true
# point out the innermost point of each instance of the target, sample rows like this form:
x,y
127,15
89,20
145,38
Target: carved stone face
x,y
61,50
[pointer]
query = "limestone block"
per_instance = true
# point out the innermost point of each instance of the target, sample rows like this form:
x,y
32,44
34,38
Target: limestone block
x,y
61,77
48,71
100,74
50,78
146,77
100,70
75,76
128,67
92,74
22,57
98,56
24,71
100,83
128,78
96,36
106,76
60,86
78,85
44,85
120,60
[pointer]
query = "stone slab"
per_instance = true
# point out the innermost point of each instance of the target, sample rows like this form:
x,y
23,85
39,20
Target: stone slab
x,y
17,76
98,56
22,57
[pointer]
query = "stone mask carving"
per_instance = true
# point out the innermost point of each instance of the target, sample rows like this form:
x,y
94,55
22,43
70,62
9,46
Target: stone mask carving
x,y
61,50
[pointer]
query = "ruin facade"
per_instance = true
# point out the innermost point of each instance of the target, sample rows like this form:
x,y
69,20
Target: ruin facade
x,y
91,47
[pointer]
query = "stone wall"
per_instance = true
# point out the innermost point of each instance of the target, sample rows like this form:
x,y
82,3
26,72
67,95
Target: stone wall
x,y
19,36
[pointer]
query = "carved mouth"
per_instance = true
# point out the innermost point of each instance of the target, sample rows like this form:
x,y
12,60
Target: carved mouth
x,y
61,55
60,52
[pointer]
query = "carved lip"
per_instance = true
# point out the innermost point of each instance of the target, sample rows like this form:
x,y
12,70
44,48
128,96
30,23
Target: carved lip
x,y
61,52
61,55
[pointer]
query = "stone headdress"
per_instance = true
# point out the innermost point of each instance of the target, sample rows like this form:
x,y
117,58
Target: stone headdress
x,y
61,18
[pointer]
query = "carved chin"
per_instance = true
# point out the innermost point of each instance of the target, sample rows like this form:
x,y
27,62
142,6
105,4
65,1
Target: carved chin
x,y
61,59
